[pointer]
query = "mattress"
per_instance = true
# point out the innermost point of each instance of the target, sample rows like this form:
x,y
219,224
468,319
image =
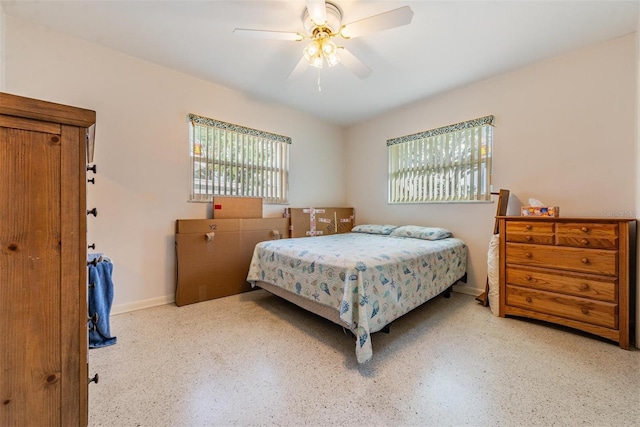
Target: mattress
x,y
367,280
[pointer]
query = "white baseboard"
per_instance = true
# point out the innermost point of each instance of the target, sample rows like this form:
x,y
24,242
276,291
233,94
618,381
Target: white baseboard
x,y
139,305
466,289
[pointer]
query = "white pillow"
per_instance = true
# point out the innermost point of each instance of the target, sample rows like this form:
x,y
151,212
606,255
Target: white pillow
x,y
424,233
373,229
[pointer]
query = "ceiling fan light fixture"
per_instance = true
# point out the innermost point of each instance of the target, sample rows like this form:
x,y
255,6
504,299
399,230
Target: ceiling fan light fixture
x,y
316,61
313,53
319,50
328,48
312,50
333,59
330,52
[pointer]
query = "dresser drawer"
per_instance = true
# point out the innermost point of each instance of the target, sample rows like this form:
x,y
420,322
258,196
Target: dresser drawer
x,y
540,233
587,241
595,287
575,308
587,229
538,239
596,261
524,227
587,235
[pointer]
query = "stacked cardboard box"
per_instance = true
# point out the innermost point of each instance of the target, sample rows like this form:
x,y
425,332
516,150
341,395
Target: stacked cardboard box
x,y
237,207
213,255
319,221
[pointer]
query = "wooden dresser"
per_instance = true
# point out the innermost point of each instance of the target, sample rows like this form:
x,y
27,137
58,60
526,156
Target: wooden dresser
x,y
575,272
43,263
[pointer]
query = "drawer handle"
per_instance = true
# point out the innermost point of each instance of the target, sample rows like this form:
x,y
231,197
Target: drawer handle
x,y
528,227
585,261
528,277
528,238
584,229
528,255
528,299
584,287
584,241
584,310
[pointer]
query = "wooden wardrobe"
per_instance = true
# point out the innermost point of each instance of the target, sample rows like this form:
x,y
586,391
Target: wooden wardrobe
x,y
43,263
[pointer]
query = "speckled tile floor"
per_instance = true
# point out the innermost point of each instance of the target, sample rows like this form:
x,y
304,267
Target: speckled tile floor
x,y
255,359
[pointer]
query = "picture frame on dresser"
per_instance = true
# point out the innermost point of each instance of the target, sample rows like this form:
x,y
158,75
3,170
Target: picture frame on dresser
x,y
578,272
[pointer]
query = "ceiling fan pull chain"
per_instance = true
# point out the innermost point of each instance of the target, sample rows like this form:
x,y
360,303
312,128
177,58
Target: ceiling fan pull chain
x,y
319,87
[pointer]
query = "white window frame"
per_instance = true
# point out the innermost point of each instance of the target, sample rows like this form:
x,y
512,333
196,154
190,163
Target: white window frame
x,y
444,165
237,161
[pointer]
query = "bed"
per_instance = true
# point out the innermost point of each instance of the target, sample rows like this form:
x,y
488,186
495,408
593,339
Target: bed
x,y
361,280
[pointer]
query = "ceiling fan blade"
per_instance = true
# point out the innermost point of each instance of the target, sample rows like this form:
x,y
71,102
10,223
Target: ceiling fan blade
x,y
266,34
383,21
350,61
301,67
317,11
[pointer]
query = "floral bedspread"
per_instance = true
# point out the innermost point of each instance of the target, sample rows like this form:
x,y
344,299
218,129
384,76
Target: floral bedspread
x,y
371,279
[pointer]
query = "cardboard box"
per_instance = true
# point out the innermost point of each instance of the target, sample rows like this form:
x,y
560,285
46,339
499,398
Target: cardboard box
x,y
540,211
230,207
213,255
319,221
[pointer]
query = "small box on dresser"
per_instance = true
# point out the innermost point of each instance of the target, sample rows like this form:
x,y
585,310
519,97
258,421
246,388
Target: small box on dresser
x,y
577,272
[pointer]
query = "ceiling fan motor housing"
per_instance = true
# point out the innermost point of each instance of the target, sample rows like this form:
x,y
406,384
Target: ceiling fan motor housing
x,y
334,19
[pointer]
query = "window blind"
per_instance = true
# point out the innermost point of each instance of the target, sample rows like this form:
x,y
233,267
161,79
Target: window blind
x,y
447,164
232,160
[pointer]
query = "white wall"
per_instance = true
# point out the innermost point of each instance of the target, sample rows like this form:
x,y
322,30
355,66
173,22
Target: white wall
x,y
564,133
142,148
2,36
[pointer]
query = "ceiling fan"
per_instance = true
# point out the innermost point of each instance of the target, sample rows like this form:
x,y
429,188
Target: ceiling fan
x,y
322,22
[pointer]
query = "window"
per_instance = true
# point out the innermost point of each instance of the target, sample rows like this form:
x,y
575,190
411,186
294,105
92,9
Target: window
x,y
448,164
231,160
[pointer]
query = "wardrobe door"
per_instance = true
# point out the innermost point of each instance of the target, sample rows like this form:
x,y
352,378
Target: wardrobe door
x,y
30,277
43,270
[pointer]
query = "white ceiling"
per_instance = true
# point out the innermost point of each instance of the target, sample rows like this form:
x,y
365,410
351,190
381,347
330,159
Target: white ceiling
x,y
447,45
